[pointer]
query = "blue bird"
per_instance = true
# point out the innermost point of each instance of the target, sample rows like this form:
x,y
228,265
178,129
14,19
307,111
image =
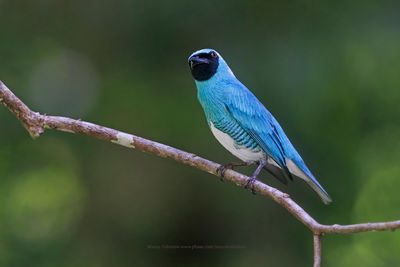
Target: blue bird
x,y
241,123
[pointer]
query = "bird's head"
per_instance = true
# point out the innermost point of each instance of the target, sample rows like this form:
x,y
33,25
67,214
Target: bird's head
x,y
205,63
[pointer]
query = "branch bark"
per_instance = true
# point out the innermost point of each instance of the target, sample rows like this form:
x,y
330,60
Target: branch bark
x,y
317,250
36,124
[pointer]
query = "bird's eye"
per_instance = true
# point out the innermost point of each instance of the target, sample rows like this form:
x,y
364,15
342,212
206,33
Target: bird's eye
x,y
213,54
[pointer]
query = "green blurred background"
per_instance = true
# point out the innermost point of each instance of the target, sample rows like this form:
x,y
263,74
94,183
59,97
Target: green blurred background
x,y
328,70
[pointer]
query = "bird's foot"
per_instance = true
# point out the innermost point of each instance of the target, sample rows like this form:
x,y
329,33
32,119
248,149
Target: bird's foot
x,y
250,184
253,178
230,166
222,169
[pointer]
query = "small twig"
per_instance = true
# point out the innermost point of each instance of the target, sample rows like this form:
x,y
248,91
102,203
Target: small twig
x,y
36,124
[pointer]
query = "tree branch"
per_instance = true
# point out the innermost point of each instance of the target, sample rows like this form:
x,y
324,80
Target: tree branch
x,y
36,124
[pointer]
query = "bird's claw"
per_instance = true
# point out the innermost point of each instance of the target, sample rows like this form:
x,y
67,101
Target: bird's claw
x,y
222,169
250,185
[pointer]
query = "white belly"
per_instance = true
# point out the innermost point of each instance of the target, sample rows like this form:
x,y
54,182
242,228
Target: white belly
x,y
241,152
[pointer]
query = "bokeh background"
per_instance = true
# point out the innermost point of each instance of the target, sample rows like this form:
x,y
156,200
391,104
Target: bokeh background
x,y
328,70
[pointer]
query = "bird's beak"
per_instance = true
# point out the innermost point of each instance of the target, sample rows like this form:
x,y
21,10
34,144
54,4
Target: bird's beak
x,y
195,60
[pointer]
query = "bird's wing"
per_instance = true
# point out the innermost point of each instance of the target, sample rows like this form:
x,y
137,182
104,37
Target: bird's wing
x,y
248,111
